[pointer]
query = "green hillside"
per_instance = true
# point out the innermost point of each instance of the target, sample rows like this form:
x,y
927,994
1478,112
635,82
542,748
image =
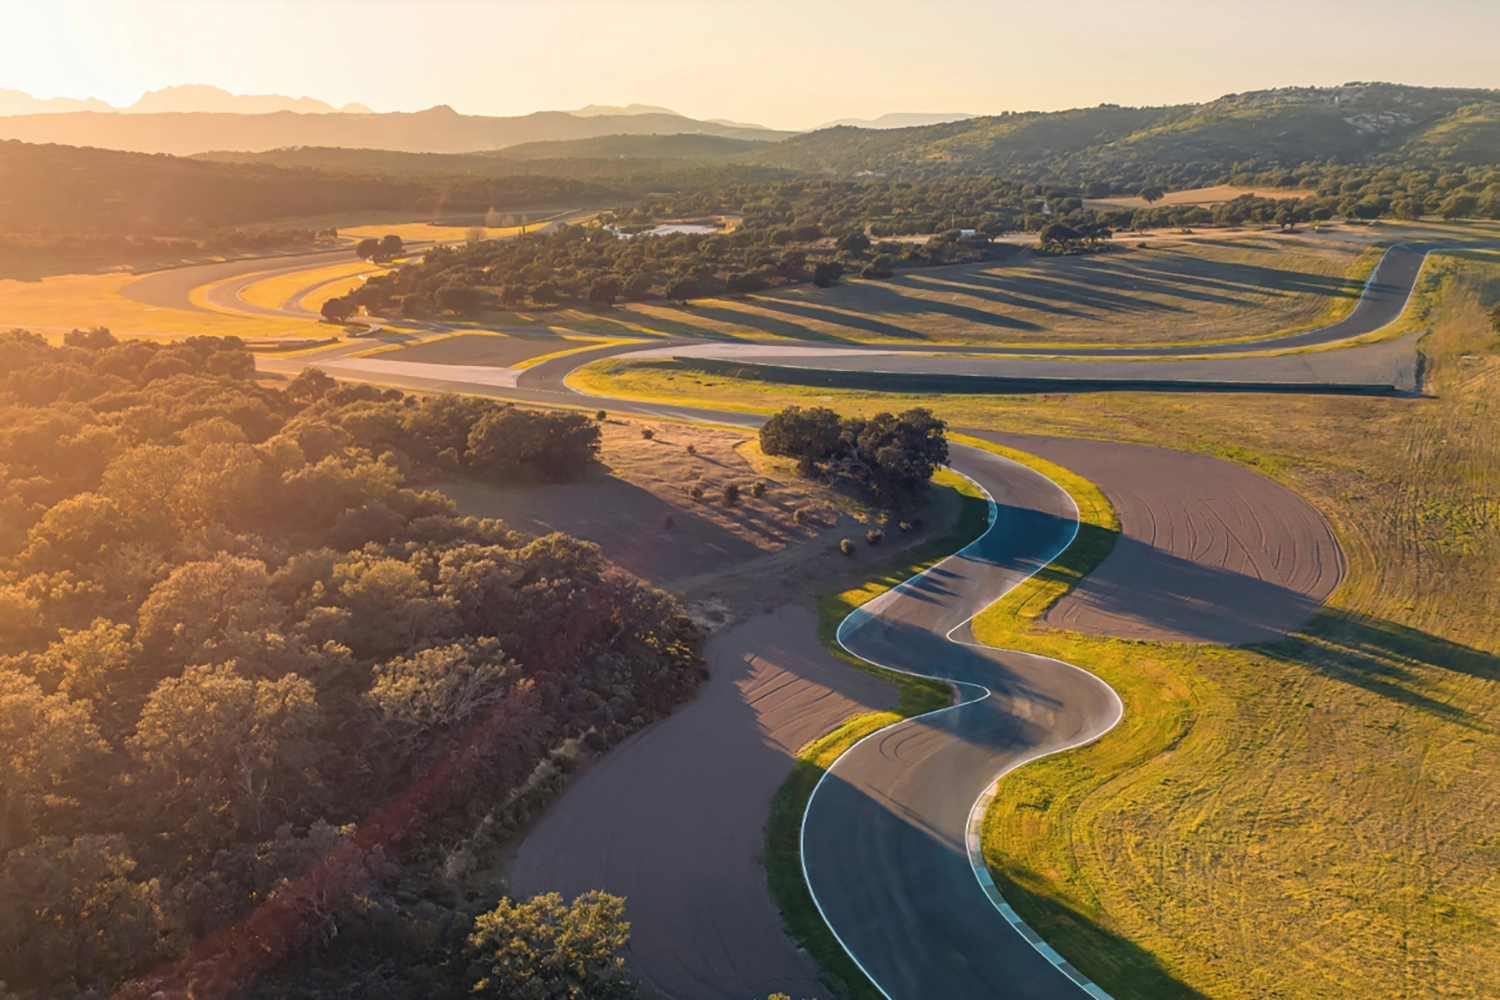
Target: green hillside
x,y
1469,135
1353,124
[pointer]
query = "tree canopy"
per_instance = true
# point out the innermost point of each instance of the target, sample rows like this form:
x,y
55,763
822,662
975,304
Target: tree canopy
x,y
893,456
258,678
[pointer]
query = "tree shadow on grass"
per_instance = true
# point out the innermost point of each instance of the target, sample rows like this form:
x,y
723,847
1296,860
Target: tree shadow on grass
x,y
1125,969
1385,658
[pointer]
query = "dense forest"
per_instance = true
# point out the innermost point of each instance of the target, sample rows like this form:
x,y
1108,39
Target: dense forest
x,y
263,694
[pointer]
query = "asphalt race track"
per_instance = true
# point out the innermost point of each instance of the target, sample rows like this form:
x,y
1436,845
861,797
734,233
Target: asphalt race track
x,y
886,837
1209,552
170,288
1218,554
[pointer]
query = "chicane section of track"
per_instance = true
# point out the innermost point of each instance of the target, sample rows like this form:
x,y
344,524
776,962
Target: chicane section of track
x,y
889,843
890,836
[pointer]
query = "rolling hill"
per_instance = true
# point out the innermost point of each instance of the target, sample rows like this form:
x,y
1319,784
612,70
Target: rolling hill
x,y
436,130
683,145
1351,124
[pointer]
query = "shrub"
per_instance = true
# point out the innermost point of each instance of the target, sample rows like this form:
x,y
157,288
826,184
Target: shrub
x,y
905,526
758,488
731,495
692,449
802,516
875,536
600,416
696,491
891,455
846,546
647,433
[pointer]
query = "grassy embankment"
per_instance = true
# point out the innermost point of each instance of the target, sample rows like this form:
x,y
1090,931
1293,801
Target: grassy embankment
x,y
1306,818
783,857
670,381
273,292
1225,289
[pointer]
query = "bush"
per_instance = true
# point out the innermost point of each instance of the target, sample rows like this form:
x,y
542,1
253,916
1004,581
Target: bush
x,y
647,433
505,440
600,416
802,515
731,495
827,273
696,491
1495,317
758,488
875,536
846,546
692,449
892,456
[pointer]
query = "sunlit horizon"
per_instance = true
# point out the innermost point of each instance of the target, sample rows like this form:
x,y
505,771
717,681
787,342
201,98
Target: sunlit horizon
x,y
776,64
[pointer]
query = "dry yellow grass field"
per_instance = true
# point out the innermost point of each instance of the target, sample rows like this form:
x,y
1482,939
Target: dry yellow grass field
x,y
1303,819
1216,195
1206,290
66,301
273,292
423,231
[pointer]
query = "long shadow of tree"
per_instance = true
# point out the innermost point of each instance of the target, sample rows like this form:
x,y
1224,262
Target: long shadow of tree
x,y
1384,658
1125,968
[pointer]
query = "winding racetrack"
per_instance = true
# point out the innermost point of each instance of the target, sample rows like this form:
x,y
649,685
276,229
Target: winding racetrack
x,y
887,835
1209,551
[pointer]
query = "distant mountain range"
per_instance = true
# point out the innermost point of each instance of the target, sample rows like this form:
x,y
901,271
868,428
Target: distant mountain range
x,y
18,102
436,130
901,119
192,97
1177,146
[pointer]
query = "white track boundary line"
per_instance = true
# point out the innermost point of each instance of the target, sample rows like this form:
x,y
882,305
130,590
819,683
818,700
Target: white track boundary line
x,y
976,812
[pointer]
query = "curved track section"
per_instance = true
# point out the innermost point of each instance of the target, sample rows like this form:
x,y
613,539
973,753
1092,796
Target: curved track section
x,y
1208,551
170,289
886,840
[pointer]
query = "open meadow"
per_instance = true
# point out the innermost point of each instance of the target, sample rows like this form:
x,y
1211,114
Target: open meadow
x,y
1205,290
68,301
1300,818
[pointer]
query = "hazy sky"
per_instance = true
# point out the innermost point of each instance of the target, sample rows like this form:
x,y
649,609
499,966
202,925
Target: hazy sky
x,y
786,64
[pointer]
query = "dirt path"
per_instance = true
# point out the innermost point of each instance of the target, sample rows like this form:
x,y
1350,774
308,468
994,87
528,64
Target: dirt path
x,y
1209,551
672,819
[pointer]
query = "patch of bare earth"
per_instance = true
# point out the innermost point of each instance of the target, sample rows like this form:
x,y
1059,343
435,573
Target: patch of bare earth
x,y
722,561
673,818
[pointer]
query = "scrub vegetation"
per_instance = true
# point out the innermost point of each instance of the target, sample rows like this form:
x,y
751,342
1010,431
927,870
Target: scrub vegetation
x,y
262,695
